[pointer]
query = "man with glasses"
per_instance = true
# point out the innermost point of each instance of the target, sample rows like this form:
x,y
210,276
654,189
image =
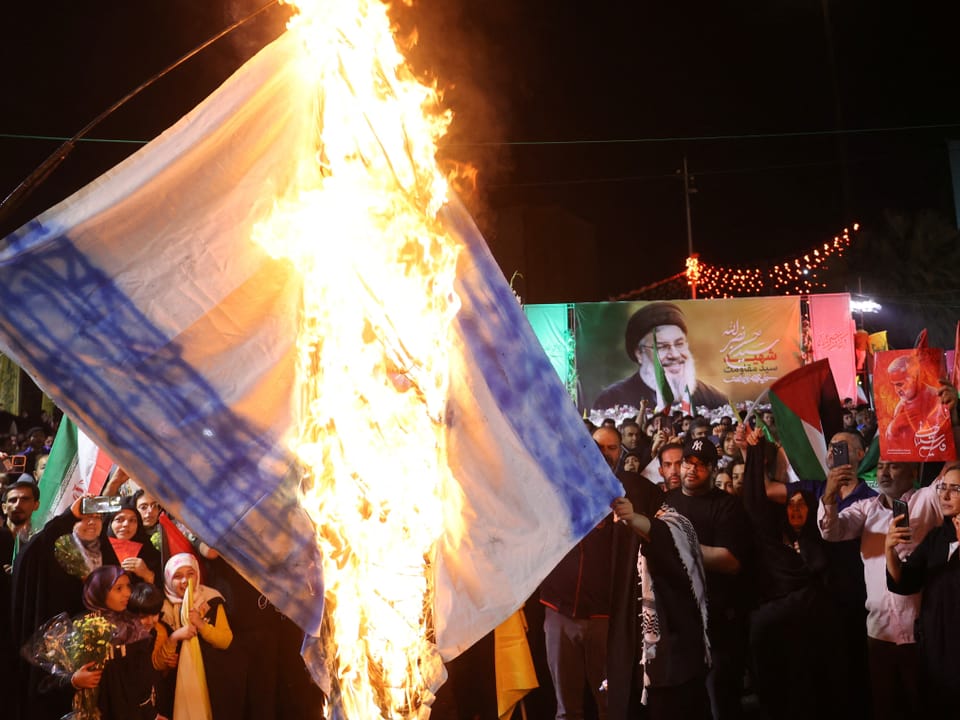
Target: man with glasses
x,y
723,531
666,322
891,646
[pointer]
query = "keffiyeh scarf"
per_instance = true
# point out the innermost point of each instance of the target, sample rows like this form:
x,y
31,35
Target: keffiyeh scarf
x,y
688,548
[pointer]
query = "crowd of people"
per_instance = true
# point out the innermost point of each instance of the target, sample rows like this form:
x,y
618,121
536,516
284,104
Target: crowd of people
x,y
719,586
723,586
112,610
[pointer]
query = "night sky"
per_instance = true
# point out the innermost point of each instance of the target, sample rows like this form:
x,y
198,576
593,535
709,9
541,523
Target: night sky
x,y
584,106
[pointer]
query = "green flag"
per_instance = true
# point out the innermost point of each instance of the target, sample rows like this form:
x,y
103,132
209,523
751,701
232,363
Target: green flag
x,y
663,387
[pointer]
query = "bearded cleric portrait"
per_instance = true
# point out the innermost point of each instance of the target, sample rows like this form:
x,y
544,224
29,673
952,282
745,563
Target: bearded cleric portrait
x,y
661,328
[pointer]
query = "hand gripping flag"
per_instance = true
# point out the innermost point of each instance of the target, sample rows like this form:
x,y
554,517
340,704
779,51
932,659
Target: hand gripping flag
x,y
143,307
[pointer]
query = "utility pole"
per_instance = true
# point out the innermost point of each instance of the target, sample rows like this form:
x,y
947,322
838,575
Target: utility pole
x,y
687,192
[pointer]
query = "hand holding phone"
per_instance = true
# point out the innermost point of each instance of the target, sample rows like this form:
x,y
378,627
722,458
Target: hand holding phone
x,y
901,508
100,505
840,454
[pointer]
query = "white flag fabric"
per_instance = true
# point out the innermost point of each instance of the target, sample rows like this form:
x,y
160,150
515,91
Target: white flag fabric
x,y
143,307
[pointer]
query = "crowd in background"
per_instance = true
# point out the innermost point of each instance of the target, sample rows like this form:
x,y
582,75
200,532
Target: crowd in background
x,y
114,610
804,611
721,586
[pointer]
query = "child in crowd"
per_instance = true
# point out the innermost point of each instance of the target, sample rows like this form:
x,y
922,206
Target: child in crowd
x,y
146,603
205,618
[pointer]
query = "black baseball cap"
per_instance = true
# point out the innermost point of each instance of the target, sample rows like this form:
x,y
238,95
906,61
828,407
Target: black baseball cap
x,y
702,449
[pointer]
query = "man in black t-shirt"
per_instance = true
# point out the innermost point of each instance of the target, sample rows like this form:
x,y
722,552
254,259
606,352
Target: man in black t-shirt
x,y
722,529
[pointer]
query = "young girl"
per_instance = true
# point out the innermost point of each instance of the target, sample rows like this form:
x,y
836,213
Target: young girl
x,y
118,684
208,618
146,603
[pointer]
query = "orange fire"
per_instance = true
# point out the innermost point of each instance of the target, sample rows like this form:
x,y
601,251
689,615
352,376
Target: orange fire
x,y
378,300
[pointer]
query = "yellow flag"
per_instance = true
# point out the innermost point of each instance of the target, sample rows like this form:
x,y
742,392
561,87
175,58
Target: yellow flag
x,y
191,700
878,342
514,664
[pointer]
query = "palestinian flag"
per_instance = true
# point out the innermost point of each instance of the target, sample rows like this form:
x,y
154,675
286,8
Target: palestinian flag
x,y
867,469
75,466
664,393
808,412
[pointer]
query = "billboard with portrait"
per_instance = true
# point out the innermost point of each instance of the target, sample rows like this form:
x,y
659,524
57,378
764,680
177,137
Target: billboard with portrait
x,y
914,426
716,350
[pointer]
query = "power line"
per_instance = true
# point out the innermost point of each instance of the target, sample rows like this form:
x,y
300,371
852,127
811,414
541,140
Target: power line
x,y
599,141
39,174
703,172
57,138
709,138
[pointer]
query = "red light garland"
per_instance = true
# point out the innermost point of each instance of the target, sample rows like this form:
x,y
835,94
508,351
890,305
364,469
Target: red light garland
x,y
798,275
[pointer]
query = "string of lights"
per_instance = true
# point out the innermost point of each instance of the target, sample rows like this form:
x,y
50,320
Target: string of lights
x,y
794,276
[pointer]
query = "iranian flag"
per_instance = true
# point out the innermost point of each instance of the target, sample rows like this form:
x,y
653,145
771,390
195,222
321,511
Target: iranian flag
x,y
76,466
808,412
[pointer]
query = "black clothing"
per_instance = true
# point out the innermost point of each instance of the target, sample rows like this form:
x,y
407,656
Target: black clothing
x,y
579,586
720,521
7,543
895,679
262,666
680,660
796,619
632,390
41,589
681,656
148,553
126,686
929,569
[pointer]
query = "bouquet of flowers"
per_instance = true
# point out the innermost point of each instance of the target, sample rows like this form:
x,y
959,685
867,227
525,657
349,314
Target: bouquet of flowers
x,y
70,558
63,645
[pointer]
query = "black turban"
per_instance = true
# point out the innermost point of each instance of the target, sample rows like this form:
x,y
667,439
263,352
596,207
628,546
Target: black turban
x,y
646,319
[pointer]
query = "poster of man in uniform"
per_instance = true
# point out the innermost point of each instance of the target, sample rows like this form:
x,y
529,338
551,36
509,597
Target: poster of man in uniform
x,y
711,351
914,425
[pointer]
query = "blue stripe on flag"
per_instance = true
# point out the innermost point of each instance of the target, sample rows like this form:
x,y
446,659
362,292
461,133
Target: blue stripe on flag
x,y
525,386
121,378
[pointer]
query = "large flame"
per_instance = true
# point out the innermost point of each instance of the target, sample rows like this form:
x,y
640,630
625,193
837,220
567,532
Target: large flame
x,y
378,271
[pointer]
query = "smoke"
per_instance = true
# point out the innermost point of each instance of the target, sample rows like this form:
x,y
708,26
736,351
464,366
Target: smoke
x,y
451,43
248,39
456,47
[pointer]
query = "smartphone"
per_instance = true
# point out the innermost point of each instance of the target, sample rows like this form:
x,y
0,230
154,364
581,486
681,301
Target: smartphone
x,y
101,504
900,508
15,464
840,453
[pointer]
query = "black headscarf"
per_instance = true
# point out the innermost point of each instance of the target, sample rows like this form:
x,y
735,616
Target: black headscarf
x,y
127,503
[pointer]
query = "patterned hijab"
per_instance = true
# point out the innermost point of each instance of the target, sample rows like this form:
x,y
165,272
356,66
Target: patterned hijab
x,y
126,628
97,587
